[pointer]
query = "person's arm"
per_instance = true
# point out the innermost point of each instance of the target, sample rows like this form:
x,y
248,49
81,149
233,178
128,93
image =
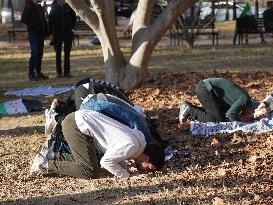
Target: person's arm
x,y
114,155
26,15
128,27
268,101
236,108
265,107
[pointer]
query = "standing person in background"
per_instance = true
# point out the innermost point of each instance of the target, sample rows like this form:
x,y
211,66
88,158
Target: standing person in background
x,y
268,17
62,20
33,16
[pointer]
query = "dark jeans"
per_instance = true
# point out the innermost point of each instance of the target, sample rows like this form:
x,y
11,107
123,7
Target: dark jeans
x,y
36,47
83,161
59,39
212,110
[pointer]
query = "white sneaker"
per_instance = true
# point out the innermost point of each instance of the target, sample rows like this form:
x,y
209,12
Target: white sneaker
x,y
40,161
54,104
184,111
50,121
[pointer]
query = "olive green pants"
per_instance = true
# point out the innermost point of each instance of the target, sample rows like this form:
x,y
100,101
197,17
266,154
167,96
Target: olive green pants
x,y
83,161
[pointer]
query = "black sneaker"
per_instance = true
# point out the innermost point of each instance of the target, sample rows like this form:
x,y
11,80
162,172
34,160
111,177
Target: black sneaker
x,y
41,76
32,78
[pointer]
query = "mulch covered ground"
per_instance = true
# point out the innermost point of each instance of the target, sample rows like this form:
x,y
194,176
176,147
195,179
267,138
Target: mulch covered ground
x,y
223,169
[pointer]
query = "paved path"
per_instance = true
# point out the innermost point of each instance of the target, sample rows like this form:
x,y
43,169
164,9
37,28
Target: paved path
x,y
163,42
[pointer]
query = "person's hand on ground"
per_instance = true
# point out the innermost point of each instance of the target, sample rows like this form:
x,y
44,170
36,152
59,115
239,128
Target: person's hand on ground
x,y
260,113
138,177
261,106
133,170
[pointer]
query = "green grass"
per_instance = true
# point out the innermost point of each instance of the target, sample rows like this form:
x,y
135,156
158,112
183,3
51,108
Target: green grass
x,y
226,28
88,61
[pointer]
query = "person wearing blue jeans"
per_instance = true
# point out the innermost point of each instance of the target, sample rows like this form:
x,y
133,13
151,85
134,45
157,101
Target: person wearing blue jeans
x,y
33,16
35,61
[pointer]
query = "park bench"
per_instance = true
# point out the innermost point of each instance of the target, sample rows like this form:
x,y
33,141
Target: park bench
x,y
251,25
17,27
193,27
82,29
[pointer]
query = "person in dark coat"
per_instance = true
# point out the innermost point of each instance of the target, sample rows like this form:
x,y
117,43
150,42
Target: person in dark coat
x,y
62,20
268,17
33,16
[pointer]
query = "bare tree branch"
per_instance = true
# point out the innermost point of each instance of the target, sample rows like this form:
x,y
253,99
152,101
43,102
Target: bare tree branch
x,y
145,39
154,32
98,6
143,15
86,13
113,58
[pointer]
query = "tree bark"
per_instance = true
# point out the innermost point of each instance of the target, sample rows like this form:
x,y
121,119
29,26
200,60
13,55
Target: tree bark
x,y
145,39
101,18
1,7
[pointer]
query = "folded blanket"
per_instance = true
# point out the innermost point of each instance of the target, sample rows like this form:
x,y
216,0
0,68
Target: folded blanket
x,y
38,91
209,128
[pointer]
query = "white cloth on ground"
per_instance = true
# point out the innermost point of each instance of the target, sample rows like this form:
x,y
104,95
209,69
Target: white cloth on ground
x,y
210,128
41,90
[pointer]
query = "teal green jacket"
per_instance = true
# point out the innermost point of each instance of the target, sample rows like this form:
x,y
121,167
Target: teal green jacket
x,y
233,97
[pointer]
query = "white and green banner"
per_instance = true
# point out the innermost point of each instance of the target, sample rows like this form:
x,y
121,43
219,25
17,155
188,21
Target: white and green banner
x,y
12,107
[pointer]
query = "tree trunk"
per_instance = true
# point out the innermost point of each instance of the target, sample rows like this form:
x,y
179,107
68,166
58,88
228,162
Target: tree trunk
x,y
227,11
1,7
145,36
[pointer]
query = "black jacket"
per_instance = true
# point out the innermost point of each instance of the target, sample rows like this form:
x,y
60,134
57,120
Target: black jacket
x,y
62,19
268,20
34,17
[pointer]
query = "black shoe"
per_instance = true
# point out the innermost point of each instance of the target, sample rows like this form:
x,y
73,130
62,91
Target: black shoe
x,y
41,76
32,78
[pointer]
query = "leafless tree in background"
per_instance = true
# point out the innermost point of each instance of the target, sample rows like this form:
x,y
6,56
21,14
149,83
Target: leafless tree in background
x,y
100,16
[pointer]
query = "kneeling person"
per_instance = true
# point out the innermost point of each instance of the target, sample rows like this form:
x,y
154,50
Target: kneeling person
x,y
89,132
222,101
108,126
